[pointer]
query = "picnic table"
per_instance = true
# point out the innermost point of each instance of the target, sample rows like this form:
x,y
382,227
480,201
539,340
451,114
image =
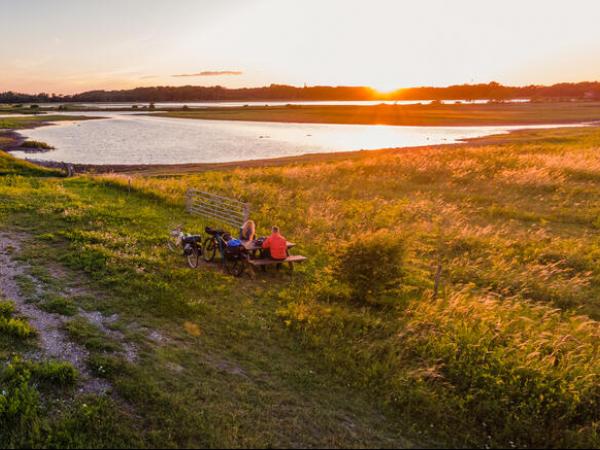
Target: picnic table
x,y
258,259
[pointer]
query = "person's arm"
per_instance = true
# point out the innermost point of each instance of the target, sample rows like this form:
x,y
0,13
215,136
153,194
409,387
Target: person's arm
x,y
267,243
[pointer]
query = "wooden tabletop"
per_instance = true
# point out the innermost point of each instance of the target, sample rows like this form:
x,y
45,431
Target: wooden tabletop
x,y
251,246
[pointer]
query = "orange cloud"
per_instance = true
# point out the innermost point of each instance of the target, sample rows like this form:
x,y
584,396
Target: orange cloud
x,y
210,73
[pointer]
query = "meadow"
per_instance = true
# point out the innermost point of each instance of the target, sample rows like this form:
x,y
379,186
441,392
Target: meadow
x,y
450,299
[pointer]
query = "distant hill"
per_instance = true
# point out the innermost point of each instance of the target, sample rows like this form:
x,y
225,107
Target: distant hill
x,y
491,91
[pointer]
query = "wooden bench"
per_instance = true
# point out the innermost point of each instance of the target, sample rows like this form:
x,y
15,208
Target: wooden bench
x,y
264,262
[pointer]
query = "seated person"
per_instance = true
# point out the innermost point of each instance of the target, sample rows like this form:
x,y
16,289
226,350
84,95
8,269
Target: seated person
x,y
248,231
276,244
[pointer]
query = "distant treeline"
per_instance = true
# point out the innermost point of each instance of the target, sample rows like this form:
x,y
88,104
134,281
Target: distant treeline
x,y
490,91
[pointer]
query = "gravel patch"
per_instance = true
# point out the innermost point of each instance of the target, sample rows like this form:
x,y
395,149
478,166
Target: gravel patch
x,y
53,341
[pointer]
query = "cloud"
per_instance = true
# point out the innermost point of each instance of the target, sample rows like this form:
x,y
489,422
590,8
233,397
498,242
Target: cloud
x,y
210,73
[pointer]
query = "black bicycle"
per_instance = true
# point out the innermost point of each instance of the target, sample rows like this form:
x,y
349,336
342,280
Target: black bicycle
x,y
236,258
232,257
216,240
192,249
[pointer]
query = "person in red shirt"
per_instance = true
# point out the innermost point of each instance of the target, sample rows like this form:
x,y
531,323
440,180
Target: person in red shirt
x,y
276,244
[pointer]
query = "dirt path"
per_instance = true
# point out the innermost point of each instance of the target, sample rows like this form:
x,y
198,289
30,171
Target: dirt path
x,y
53,341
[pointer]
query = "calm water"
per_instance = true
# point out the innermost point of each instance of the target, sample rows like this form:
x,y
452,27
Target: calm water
x,y
138,139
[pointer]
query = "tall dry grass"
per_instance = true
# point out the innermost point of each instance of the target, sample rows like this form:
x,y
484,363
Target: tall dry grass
x,y
509,354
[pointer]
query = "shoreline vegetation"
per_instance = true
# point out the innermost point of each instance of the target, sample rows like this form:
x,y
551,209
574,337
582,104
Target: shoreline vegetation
x,y
505,355
12,140
278,92
501,114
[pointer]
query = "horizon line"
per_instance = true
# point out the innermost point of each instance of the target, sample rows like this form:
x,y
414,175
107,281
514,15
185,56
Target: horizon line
x,y
305,86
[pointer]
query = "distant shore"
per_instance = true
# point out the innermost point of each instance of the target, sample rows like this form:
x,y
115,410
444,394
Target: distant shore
x,y
463,115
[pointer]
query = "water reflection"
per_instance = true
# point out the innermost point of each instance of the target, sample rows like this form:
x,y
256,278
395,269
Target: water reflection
x,y
138,139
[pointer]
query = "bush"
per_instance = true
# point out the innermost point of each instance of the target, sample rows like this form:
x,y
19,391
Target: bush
x,y
15,327
6,308
59,305
372,267
55,372
19,409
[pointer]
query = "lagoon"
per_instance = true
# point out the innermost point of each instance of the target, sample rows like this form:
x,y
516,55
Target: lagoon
x,y
126,138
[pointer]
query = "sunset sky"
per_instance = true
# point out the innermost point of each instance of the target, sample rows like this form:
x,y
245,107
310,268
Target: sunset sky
x,y
67,46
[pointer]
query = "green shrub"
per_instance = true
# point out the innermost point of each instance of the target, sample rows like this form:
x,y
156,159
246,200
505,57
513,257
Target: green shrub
x,y
372,266
19,409
59,373
16,327
59,305
6,308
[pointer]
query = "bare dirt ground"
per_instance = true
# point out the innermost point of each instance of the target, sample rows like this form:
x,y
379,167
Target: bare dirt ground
x,y
53,341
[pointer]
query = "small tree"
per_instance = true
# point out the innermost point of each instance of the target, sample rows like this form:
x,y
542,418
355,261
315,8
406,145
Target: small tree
x,y
372,267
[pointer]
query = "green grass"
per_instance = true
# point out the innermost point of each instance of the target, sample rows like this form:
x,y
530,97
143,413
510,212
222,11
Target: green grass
x,y
9,165
507,354
35,412
16,123
417,115
90,336
58,305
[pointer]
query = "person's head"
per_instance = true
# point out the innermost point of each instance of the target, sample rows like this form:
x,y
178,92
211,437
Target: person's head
x,y
249,229
275,230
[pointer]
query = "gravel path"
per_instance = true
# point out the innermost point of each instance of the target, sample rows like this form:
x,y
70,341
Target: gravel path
x,y
53,341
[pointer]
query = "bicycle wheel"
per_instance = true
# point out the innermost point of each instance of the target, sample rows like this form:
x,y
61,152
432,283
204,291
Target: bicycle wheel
x,y
235,266
172,245
173,242
209,249
193,258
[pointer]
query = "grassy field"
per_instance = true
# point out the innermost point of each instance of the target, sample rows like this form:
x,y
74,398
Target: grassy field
x,y
417,115
352,350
